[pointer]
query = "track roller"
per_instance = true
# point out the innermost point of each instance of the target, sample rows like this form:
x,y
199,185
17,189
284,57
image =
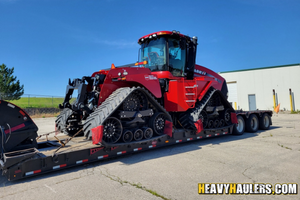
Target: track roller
x,y
138,134
216,123
148,132
127,136
210,124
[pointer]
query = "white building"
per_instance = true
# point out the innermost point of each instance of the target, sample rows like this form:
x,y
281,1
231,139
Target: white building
x,y
252,89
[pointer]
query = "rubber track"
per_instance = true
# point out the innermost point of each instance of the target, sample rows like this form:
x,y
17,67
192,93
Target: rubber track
x,y
107,108
61,119
188,119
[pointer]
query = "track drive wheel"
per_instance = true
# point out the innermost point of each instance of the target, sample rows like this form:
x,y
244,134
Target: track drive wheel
x,y
112,130
157,123
239,128
264,122
252,123
136,101
227,116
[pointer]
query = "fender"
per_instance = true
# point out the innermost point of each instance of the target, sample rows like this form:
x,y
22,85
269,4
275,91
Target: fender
x,y
129,77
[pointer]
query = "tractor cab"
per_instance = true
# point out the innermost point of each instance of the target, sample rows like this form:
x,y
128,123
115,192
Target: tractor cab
x,y
169,51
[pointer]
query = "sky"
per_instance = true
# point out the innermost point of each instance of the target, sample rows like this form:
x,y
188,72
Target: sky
x,y
49,41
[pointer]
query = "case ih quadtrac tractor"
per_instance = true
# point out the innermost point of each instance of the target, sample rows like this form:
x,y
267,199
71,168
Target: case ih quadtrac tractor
x,y
163,99
165,89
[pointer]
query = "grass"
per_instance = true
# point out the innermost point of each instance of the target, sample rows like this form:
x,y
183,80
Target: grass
x,y
284,146
295,112
38,102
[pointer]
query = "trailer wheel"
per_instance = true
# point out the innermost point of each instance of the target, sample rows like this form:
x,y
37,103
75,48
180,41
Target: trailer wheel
x,y
264,122
239,128
252,123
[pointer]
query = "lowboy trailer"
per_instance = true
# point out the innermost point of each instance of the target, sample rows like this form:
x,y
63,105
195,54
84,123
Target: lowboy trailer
x,y
51,154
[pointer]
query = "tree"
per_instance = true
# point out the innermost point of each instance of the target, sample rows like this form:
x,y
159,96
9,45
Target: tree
x,y
10,88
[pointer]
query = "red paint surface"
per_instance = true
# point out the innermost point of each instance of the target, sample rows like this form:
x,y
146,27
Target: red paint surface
x,y
161,33
198,124
14,128
97,134
234,118
168,128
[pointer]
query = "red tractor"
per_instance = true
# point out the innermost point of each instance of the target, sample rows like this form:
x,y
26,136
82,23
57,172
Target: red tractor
x,y
165,92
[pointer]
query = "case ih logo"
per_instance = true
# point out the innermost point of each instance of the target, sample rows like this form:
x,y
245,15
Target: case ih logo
x,y
150,77
200,72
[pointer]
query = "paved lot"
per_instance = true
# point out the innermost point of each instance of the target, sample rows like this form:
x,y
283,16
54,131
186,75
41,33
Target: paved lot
x,y
271,156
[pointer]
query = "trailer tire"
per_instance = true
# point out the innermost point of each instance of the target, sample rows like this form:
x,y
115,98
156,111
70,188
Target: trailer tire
x,y
252,123
239,128
264,122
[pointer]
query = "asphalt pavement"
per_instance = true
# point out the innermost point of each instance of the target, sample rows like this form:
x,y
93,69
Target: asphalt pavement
x,y
173,172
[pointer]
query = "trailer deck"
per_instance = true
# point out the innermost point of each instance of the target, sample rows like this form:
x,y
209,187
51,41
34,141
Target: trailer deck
x,y
47,157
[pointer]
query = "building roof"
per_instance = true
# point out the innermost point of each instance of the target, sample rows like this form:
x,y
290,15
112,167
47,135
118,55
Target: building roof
x,y
241,70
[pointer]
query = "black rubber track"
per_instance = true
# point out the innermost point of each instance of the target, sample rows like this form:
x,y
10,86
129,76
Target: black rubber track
x,y
110,105
191,116
188,118
61,120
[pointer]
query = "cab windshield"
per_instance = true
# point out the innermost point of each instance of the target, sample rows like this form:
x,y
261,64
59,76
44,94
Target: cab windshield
x,y
154,53
159,58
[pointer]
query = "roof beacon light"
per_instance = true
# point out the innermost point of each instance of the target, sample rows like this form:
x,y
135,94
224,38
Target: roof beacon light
x,y
113,66
162,33
154,35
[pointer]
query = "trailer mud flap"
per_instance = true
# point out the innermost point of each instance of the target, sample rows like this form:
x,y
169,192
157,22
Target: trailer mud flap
x,y
234,118
97,134
199,125
168,128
